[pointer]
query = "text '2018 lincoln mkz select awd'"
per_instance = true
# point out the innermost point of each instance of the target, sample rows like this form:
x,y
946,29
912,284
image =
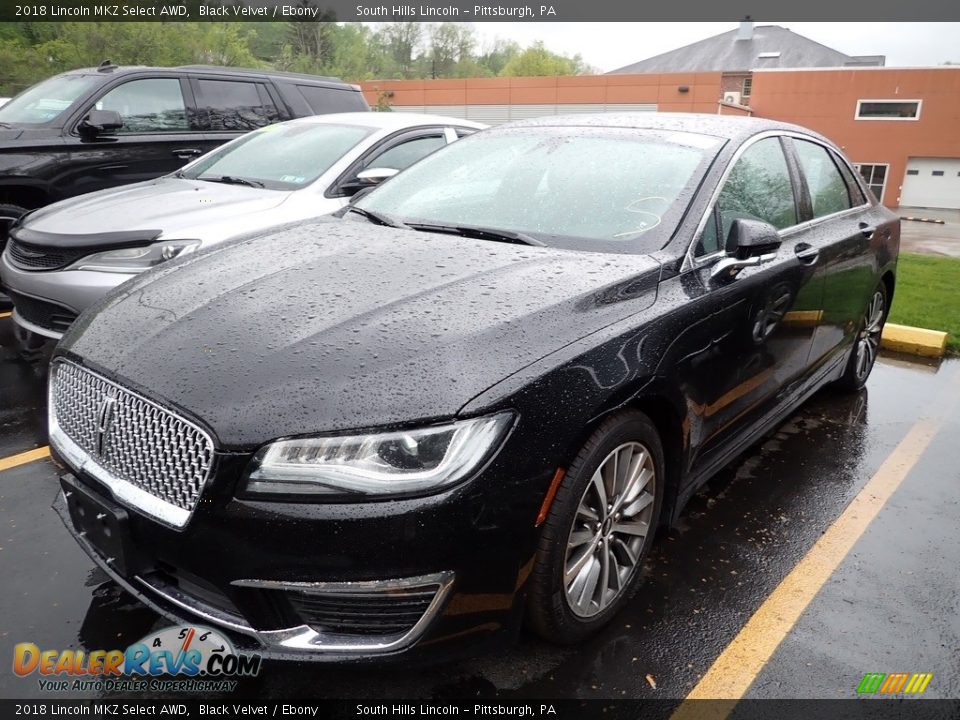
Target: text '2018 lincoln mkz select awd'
x,y
470,400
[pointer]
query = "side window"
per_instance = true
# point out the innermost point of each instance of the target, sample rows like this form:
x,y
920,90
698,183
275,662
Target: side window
x,y
759,188
233,105
330,100
151,105
407,153
828,190
709,241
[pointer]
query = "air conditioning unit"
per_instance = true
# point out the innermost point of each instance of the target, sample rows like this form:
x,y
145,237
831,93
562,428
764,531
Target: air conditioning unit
x,y
731,97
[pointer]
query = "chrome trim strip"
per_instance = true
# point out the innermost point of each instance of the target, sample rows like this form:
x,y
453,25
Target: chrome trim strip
x,y
304,638
192,605
690,261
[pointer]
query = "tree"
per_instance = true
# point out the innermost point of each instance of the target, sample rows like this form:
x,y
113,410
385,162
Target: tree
x,y
537,60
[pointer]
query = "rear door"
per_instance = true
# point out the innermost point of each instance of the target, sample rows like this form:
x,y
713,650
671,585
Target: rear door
x,y
228,107
839,230
156,137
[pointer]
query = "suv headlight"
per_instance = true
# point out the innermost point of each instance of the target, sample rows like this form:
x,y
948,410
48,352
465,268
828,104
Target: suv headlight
x,y
391,463
136,259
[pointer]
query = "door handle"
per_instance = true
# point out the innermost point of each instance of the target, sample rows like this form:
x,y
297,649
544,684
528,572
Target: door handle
x,y
866,230
806,253
185,153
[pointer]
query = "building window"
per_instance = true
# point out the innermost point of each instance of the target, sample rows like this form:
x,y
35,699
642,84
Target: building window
x,y
937,173
747,87
913,172
875,176
888,109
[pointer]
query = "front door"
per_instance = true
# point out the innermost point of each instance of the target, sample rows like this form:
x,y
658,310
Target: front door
x,y
155,139
751,337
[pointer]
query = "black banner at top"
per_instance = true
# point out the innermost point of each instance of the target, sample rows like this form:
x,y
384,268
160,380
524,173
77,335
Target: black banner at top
x,y
472,10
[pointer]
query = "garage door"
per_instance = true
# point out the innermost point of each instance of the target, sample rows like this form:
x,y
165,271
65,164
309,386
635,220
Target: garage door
x,y
932,183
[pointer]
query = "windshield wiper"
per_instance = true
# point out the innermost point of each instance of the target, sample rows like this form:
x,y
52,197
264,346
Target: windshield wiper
x,y
481,233
378,218
231,180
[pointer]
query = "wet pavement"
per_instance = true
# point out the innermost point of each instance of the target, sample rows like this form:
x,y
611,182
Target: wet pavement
x,y
930,238
891,606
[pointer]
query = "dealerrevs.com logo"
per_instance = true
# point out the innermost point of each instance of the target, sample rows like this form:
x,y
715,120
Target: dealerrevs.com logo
x,y
198,659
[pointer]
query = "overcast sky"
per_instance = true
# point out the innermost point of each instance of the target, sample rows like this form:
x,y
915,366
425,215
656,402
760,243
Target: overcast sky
x,y
608,46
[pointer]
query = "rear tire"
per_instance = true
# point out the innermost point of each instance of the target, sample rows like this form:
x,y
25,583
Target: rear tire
x,y
599,530
866,345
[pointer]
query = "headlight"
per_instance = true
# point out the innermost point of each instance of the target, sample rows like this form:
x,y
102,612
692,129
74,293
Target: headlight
x,y
392,463
136,259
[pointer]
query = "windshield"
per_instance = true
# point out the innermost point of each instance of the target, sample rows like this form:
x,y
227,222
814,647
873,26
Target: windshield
x,y
287,156
46,101
585,188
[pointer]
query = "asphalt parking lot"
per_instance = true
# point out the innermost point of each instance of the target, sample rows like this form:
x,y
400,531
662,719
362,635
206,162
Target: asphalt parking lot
x,y
827,551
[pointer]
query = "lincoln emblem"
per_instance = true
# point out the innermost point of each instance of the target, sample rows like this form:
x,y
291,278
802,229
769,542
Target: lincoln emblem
x,y
104,416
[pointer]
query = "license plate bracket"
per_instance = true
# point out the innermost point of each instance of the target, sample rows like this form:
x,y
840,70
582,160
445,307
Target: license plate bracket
x,y
103,524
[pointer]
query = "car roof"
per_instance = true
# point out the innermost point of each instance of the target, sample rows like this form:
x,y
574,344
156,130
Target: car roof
x,y
729,127
386,120
109,70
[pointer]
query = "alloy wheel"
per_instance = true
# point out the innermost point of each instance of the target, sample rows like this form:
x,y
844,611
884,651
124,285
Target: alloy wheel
x,y
609,529
868,341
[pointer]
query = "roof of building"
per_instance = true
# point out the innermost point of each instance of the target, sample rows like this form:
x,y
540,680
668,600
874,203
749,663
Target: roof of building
x,y
749,48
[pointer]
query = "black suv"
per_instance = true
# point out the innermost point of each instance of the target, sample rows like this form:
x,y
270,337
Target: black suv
x,y
98,127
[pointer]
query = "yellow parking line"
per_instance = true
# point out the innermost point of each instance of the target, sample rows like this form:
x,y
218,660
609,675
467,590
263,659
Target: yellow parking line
x,y
738,665
24,458
5,314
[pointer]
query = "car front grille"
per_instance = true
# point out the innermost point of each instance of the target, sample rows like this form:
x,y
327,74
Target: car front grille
x,y
363,613
41,313
25,256
150,457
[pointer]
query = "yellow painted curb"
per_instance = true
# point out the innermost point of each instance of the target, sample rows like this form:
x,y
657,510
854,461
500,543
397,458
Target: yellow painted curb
x,y
916,341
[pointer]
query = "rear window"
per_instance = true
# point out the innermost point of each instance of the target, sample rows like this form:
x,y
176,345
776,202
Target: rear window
x,y
330,100
48,100
233,105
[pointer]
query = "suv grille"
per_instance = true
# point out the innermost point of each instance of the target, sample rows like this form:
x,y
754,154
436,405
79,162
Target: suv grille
x,y
132,443
42,313
36,257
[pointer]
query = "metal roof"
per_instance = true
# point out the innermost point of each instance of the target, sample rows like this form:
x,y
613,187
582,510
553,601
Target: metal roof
x,y
724,52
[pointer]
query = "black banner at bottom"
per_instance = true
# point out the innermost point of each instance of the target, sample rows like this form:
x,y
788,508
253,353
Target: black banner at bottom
x,y
854,709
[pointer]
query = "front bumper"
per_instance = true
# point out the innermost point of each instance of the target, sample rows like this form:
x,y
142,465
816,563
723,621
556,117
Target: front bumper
x,y
70,290
260,571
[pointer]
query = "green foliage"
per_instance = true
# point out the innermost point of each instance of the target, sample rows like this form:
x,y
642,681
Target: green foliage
x,y
30,52
928,295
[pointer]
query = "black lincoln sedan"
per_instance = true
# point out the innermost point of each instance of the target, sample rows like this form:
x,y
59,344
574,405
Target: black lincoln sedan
x,y
467,403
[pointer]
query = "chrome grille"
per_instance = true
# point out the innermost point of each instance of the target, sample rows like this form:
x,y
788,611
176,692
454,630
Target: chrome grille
x,y
136,441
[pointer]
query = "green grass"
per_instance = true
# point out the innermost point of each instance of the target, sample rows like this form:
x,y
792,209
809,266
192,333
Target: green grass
x,y
928,295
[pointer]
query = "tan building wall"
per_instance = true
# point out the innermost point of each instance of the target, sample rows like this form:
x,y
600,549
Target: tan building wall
x,y
826,101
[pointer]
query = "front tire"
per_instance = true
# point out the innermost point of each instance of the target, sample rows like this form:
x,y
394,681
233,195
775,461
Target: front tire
x,y
866,345
599,530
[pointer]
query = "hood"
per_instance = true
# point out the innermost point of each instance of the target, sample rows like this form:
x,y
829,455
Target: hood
x,y
170,204
340,324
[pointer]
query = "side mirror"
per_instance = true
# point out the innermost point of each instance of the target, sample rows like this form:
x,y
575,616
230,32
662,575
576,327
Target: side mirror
x,y
101,122
748,238
369,178
752,242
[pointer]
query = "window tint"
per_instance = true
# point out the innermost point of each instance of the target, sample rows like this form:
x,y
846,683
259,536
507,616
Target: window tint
x,y
759,188
47,100
828,191
148,106
233,106
407,153
328,100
